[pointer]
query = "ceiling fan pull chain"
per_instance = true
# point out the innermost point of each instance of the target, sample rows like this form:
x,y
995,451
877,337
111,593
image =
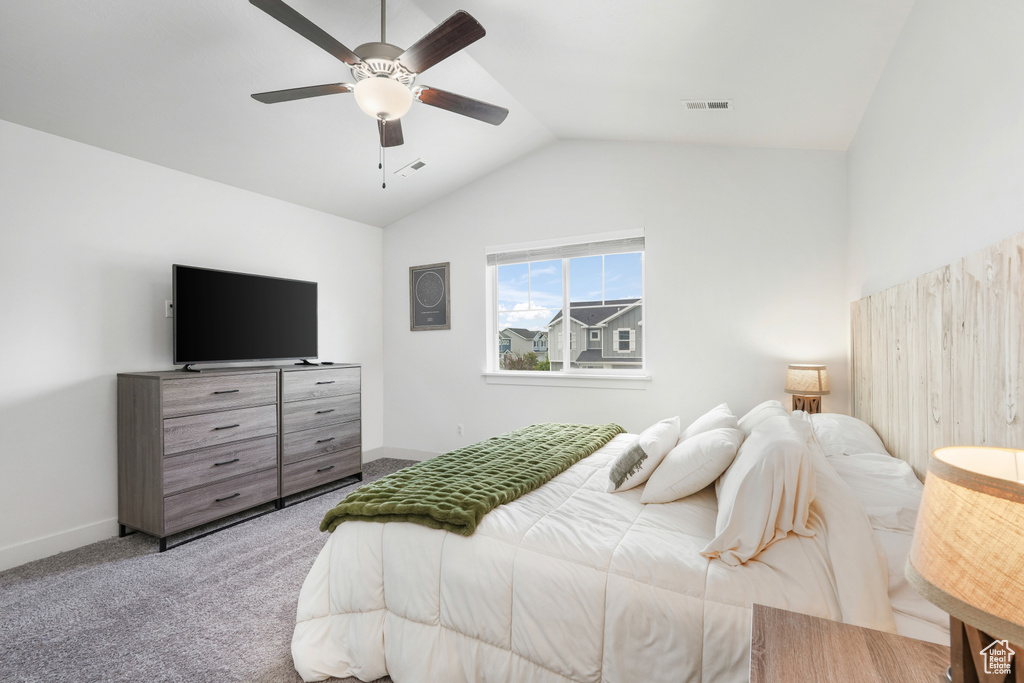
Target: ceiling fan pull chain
x,y
383,136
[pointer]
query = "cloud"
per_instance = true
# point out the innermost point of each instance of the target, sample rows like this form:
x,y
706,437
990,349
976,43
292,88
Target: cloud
x,y
541,300
522,314
545,270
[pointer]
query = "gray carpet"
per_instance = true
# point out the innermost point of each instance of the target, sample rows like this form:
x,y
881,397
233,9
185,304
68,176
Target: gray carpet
x,y
220,608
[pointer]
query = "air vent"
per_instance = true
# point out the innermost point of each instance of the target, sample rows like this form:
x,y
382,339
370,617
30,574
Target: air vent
x,y
708,104
409,169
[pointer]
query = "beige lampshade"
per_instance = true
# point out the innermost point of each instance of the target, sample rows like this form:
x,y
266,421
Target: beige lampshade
x,y
967,556
807,380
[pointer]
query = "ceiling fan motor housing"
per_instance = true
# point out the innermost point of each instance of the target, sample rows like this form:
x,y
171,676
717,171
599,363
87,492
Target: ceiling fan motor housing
x,y
381,60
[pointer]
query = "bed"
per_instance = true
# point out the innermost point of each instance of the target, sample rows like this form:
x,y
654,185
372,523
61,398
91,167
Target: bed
x,y
573,584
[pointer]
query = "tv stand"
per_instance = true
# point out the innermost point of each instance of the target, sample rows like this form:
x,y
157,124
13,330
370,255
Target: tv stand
x,y
188,368
306,361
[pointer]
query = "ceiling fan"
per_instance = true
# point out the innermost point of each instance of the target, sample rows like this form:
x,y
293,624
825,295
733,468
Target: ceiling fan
x,y
385,74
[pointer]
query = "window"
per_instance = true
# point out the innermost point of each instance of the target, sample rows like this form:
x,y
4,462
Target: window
x,y
599,283
626,340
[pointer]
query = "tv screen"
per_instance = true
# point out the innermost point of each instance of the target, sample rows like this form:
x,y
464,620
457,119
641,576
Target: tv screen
x,y
221,316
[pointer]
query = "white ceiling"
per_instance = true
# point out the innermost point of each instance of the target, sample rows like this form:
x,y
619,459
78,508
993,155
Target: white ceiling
x,y
169,82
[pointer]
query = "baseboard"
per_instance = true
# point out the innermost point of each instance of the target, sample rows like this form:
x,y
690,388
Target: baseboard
x,y
38,548
400,453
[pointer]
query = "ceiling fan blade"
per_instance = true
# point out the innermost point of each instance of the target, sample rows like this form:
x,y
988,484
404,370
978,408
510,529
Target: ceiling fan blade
x,y
390,133
447,38
460,104
275,96
307,29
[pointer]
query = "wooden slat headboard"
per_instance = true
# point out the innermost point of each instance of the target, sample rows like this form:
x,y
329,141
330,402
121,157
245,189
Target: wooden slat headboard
x,y
939,361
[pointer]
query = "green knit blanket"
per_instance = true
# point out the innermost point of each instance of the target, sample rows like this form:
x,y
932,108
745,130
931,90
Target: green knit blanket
x,y
455,490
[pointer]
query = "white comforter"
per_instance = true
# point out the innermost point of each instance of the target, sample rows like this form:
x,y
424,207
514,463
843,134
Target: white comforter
x,y
570,583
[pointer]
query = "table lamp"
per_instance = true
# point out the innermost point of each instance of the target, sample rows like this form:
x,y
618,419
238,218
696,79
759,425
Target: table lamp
x,y
807,383
967,557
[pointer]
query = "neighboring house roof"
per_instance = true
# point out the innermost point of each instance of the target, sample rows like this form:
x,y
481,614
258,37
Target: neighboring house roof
x,y
619,312
591,313
594,356
520,332
541,333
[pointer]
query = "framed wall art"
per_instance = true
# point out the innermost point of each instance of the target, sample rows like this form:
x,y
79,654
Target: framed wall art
x,y
429,297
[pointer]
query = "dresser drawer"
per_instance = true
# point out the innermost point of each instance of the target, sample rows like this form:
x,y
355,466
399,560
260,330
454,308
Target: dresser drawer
x,y
198,506
304,475
218,392
210,465
301,385
212,429
312,442
319,412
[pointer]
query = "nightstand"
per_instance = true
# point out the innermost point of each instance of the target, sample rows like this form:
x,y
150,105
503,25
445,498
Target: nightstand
x,y
788,647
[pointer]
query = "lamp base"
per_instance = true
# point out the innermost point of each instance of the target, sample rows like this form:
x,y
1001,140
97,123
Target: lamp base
x,y
808,404
976,657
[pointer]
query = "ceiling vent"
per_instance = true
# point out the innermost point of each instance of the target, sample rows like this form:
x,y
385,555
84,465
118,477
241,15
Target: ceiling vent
x,y
409,169
708,104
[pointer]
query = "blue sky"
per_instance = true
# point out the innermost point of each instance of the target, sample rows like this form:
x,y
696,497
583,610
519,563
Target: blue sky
x,y
530,294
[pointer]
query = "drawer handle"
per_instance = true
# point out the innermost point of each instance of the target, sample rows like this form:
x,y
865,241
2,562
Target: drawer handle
x,y
233,495
324,469
330,438
227,391
217,429
321,412
226,462
331,382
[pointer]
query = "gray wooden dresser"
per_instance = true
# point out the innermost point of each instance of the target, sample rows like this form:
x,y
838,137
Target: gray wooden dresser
x,y
196,447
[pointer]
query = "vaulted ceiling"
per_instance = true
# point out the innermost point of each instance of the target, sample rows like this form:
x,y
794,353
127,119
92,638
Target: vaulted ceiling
x,y
169,83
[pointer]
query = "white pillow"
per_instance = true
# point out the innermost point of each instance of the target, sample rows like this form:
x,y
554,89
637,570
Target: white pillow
x,y
635,465
844,435
716,418
766,492
692,465
760,413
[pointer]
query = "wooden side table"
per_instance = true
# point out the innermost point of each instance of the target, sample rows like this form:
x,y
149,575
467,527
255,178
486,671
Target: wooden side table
x,y
788,646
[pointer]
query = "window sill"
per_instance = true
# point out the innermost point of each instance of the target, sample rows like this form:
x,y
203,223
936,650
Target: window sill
x,y
560,379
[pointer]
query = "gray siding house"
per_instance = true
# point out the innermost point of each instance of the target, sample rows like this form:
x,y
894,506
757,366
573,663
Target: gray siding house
x,y
602,335
540,345
519,340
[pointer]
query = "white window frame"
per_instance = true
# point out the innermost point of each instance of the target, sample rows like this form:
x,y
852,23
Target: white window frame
x,y
568,248
631,342
595,335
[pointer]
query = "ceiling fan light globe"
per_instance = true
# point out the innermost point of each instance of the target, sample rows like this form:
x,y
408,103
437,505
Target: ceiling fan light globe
x,y
383,98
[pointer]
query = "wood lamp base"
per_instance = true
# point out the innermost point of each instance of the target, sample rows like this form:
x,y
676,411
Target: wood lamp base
x,y
808,404
978,658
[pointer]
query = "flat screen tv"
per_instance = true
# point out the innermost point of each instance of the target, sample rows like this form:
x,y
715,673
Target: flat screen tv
x,y
221,317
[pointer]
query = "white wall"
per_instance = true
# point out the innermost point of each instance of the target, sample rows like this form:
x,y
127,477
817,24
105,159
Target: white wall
x,y
88,238
745,273
936,169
